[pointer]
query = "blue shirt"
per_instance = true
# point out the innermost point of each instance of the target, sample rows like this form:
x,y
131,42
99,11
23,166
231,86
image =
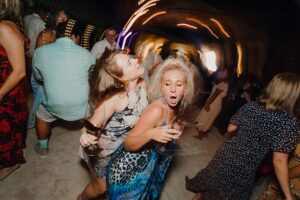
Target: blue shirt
x,y
63,67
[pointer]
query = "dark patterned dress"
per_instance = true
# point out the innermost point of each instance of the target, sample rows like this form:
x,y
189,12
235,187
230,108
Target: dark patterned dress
x,y
13,116
231,173
138,175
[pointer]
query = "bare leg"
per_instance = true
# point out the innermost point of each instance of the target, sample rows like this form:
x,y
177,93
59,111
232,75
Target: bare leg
x,y
42,128
197,196
94,189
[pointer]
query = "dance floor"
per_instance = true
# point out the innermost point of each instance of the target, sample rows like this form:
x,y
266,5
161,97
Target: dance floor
x,y
62,175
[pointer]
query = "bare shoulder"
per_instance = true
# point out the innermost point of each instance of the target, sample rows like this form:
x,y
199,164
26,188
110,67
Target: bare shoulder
x,y
155,109
6,27
9,29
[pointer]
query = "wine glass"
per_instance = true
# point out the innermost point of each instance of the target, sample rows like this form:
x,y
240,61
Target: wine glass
x,y
178,124
95,149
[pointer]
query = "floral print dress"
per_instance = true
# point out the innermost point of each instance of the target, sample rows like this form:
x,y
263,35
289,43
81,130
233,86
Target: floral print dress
x,y
13,115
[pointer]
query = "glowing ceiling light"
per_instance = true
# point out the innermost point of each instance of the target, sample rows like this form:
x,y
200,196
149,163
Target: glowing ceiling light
x,y
219,25
140,2
141,11
119,38
131,38
202,24
240,59
149,3
133,20
187,25
209,59
154,15
124,41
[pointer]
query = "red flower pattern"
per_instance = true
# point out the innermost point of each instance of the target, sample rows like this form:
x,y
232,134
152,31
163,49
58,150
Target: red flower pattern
x,y
13,116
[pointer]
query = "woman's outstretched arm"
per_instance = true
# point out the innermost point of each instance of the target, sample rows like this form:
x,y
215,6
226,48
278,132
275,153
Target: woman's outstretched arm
x,y
145,131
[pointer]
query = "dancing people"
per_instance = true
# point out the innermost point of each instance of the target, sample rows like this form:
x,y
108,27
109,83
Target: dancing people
x,y
138,168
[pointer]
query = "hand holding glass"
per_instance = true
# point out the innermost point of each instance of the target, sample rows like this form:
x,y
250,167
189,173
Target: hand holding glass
x,y
177,124
94,149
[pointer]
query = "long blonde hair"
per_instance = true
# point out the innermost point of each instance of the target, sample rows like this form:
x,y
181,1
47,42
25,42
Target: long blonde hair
x,y
11,10
157,78
282,92
105,79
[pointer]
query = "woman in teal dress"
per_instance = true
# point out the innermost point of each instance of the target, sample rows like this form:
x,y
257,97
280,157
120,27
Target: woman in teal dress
x,y
137,170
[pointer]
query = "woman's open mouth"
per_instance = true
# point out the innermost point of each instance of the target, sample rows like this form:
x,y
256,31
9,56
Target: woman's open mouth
x,y
173,100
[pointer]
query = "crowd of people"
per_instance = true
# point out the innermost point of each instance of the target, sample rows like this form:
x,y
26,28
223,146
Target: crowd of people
x,y
130,126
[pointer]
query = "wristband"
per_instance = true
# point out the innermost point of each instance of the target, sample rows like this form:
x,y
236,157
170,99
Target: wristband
x,y
90,127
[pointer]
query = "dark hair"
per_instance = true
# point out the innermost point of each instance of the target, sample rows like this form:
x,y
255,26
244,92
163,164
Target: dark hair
x,y
68,28
51,20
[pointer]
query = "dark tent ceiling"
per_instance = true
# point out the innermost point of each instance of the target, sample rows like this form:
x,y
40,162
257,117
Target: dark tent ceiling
x,y
268,29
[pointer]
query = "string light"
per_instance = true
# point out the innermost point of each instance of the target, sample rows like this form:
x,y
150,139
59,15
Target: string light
x,y
141,11
133,20
202,24
154,15
131,38
124,41
219,25
187,25
140,2
240,59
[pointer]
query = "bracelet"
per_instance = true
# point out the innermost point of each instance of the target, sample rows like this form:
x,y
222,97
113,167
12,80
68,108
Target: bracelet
x,y
90,127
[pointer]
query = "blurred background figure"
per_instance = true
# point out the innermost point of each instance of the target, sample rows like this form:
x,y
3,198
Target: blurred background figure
x,y
108,42
34,23
61,16
240,92
13,111
213,105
